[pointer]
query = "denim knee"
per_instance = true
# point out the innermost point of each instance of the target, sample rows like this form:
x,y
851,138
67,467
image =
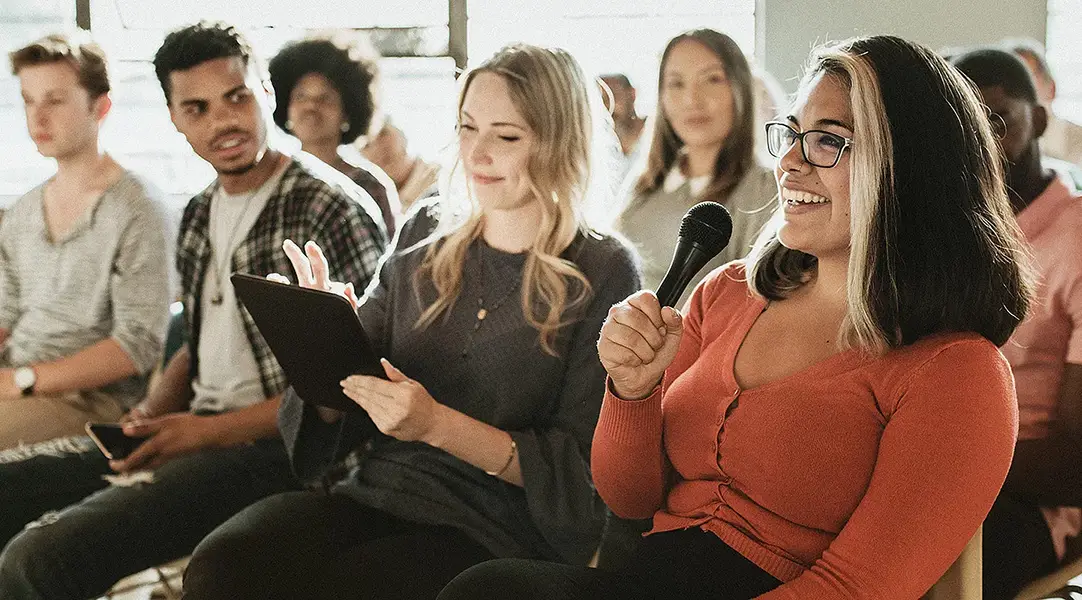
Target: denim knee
x,y
28,564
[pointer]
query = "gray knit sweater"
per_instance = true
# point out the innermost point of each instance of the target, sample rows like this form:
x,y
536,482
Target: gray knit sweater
x,y
498,375
651,222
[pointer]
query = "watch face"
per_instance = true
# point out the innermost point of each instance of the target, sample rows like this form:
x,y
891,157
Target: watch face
x,y
24,377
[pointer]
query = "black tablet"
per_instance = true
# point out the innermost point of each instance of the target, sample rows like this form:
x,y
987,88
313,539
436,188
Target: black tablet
x,y
315,335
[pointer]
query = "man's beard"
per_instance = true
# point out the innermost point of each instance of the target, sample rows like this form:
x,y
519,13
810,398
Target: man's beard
x,y
240,170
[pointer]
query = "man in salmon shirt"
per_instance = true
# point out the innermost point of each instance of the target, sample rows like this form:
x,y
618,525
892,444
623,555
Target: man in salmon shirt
x,y
1025,535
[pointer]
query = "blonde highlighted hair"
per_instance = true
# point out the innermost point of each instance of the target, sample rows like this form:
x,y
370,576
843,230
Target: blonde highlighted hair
x,y
933,243
550,91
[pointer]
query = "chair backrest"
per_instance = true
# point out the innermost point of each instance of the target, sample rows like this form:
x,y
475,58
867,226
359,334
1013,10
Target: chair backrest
x,y
962,581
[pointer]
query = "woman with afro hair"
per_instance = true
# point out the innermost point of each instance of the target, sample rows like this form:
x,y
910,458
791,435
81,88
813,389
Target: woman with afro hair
x,y
326,98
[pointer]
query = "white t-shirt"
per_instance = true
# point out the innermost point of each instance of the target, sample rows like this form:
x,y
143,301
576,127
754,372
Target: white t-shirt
x,y
228,373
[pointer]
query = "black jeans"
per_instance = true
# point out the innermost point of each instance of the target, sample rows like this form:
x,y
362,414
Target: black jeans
x,y
302,545
683,564
82,534
1017,548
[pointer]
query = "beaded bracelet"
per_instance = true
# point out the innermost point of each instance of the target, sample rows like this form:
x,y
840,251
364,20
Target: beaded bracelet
x,y
510,457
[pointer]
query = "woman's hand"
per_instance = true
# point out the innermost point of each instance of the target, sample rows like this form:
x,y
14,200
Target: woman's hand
x,y
638,342
399,406
310,265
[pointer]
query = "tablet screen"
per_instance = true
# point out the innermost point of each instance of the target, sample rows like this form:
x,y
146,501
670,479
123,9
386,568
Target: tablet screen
x,y
315,335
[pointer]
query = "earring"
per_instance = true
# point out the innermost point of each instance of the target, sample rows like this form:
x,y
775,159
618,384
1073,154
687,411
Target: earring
x,y
289,125
344,127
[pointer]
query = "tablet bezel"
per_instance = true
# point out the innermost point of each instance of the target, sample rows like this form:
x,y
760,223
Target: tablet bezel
x,y
318,352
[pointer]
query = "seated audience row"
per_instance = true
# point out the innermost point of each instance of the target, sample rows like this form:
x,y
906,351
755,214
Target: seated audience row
x,y
214,448
770,430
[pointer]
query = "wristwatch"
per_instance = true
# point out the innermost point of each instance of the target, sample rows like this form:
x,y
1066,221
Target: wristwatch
x,y
25,378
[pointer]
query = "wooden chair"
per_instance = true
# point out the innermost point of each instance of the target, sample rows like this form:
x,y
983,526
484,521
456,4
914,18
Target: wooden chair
x,y
962,581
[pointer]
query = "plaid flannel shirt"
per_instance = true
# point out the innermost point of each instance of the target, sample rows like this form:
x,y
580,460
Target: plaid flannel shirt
x,y
311,202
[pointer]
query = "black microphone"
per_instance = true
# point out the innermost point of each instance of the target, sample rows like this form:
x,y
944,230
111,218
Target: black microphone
x,y
704,232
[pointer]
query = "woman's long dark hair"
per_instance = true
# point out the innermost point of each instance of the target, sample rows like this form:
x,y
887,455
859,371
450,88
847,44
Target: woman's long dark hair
x,y
737,153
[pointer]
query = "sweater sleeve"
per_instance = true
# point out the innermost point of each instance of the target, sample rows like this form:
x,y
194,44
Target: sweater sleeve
x,y
555,456
140,281
943,456
9,279
629,464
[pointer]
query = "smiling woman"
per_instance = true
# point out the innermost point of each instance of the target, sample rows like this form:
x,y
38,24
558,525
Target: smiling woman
x,y
486,314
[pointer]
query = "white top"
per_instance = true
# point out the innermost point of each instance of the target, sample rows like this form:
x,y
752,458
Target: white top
x,y
228,372
676,178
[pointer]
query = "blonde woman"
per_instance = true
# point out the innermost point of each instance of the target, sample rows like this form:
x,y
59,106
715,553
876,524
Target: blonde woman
x,y
702,148
487,313
832,418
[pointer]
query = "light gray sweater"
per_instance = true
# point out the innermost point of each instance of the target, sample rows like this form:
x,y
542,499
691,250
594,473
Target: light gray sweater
x,y
651,223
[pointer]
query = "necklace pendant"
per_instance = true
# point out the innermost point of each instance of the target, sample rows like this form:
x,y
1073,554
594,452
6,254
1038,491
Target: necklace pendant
x,y
216,299
481,314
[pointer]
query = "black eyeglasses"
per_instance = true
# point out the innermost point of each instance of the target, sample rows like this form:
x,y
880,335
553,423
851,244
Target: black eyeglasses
x,y
820,148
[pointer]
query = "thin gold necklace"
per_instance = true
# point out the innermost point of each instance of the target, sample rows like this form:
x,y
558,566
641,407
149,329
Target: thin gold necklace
x,y
482,312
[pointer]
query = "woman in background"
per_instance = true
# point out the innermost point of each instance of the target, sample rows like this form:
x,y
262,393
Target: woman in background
x,y
702,148
327,98
488,309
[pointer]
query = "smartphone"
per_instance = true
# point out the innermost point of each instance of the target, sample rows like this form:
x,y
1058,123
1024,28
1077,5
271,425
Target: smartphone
x,y
111,440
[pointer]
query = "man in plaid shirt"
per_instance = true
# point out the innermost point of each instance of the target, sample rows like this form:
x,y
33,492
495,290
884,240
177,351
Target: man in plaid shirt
x,y
213,446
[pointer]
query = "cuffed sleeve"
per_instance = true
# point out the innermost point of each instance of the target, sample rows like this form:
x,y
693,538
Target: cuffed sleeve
x,y
140,286
629,463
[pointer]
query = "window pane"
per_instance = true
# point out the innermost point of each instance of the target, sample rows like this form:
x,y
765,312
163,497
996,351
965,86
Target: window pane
x,y
169,14
625,36
23,21
1064,21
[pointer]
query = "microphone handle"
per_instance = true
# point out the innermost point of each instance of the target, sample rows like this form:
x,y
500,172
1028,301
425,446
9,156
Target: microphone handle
x,y
688,259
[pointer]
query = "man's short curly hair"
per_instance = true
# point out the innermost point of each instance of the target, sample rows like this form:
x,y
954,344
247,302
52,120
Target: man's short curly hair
x,y
350,70
196,44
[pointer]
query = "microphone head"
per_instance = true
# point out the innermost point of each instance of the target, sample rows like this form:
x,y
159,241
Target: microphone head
x,y
708,225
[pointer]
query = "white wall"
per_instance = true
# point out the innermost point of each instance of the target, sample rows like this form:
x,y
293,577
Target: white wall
x,y
788,29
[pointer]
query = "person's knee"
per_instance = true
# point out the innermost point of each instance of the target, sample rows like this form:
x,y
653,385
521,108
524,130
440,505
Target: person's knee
x,y
239,556
218,559
504,579
31,561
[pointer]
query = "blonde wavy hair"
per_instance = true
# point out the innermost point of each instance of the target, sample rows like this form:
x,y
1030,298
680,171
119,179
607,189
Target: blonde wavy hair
x,y
550,91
